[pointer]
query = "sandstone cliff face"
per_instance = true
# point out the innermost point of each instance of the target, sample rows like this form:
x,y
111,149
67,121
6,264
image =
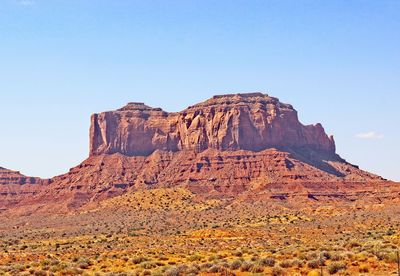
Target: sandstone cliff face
x,y
14,177
224,147
253,122
15,186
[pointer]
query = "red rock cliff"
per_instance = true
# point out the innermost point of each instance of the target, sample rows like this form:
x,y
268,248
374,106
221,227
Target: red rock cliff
x,y
15,177
252,121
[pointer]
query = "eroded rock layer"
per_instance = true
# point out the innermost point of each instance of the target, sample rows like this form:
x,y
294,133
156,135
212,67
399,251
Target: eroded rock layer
x,y
253,122
228,146
14,177
15,187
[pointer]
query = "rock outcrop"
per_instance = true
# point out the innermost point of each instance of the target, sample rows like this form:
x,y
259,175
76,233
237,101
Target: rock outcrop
x,y
15,187
15,177
224,147
252,122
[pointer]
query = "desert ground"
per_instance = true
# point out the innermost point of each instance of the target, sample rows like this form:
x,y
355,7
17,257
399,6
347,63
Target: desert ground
x,y
171,231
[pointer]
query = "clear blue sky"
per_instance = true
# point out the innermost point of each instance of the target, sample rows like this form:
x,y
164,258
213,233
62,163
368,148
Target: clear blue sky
x,y
337,62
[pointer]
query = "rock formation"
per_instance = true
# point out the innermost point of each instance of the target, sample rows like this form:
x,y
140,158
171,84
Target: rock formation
x,y
226,146
15,177
15,187
252,122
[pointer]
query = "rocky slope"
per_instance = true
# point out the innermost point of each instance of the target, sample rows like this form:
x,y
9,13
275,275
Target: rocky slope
x,y
227,146
15,186
15,177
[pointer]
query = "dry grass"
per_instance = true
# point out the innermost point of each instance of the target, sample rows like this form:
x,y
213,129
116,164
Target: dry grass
x,y
173,232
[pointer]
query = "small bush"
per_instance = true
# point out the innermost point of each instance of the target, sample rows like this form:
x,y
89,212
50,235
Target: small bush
x,y
257,268
363,269
163,258
335,267
173,271
286,264
238,254
236,265
139,259
254,258
313,264
246,267
391,257
194,258
146,273
312,256
194,269
84,264
268,262
205,266
148,265
215,269
336,257
326,255
277,271
354,244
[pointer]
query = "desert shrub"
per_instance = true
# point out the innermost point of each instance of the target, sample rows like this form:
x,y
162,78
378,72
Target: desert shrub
x,y
75,259
353,244
238,253
172,263
246,267
139,259
71,271
277,271
163,258
313,264
363,269
205,266
390,257
380,255
160,263
326,255
235,265
268,262
194,269
55,262
119,274
336,257
312,256
221,256
286,264
194,258
335,267
148,265
224,264
40,273
302,256
297,262
257,268
48,262
215,269
254,258
84,264
18,268
182,268
173,271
